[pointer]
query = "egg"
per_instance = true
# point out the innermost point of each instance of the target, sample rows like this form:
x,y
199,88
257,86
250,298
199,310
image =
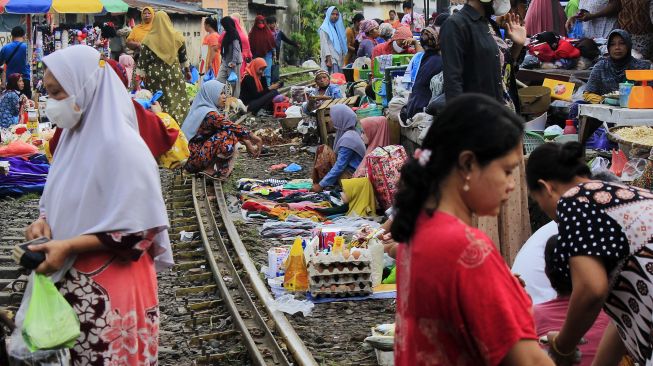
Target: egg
x,y
333,288
356,254
345,253
352,287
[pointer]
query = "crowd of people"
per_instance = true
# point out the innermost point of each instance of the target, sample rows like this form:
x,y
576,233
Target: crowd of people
x,y
584,291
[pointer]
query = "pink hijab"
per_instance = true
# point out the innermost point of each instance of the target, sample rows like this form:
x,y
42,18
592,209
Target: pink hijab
x,y
128,63
378,135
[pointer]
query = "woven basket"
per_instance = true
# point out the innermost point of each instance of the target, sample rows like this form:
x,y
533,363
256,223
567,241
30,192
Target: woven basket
x,y
531,141
624,145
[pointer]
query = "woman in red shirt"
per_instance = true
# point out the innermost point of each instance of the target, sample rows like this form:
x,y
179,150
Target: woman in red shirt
x,y
458,303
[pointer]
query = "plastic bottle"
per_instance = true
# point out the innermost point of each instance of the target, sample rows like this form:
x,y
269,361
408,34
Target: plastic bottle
x,y
376,255
570,129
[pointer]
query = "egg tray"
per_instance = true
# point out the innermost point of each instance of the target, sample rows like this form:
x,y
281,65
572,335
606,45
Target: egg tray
x,y
339,292
314,271
340,279
324,258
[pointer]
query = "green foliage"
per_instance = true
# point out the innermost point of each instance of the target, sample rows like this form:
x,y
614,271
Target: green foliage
x,y
311,15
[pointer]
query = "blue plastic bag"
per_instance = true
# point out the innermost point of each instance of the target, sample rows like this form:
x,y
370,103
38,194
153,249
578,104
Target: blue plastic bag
x,y
293,168
577,30
209,75
233,78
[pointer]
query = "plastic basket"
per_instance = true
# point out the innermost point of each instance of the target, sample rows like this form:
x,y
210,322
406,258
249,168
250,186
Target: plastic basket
x,y
532,141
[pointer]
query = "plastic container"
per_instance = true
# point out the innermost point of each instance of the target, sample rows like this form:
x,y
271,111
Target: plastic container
x,y
624,93
570,129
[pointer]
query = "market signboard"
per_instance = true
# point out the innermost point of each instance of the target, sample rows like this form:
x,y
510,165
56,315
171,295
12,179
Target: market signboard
x,y
5,38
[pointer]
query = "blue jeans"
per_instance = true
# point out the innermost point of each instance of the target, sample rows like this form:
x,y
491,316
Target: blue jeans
x,y
268,69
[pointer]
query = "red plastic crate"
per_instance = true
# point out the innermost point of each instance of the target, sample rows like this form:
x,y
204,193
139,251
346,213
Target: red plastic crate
x,y
280,109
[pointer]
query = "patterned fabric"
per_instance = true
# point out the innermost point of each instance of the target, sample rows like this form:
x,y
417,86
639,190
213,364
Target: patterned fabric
x,y
115,298
215,143
384,169
9,109
457,302
159,75
634,17
614,222
505,50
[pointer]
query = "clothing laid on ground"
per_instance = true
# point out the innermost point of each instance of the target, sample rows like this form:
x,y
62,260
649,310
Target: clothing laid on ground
x,y
457,302
470,55
14,55
256,100
550,317
529,264
612,222
9,108
420,95
215,143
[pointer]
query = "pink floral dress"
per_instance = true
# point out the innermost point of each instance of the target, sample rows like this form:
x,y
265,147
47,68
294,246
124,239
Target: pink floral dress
x,y
114,294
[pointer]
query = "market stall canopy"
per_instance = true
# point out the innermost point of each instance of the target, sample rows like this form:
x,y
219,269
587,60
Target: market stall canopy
x,y
62,6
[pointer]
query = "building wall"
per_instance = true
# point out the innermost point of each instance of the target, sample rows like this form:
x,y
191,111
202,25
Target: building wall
x,y
191,27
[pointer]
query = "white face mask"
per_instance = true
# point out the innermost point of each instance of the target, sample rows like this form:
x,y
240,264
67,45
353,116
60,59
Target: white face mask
x,y
501,7
396,47
62,112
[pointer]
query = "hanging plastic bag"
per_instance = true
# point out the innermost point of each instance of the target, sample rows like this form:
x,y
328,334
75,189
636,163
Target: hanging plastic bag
x,y
233,78
619,160
633,169
296,277
50,321
209,76
17,348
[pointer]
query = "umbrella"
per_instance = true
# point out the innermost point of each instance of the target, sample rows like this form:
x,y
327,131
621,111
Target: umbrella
x,y
62,6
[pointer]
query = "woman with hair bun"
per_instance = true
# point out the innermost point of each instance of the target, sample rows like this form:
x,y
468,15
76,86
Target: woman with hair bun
x,y
604,252
457,302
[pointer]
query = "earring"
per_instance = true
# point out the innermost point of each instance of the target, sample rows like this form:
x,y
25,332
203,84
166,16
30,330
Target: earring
x,y
466,186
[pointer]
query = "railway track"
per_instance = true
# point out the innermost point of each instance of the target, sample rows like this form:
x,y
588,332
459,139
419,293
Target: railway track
x,y
219,287
13,277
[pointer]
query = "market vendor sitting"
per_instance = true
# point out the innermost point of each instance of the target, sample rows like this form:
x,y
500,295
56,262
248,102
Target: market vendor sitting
x,y
324,91
331,166
254,91
402,42
610,71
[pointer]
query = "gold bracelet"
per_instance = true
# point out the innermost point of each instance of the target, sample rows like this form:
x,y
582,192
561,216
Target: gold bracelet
x,y
557,351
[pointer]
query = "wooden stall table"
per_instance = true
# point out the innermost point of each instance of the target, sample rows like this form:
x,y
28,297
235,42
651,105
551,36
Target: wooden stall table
x,y
537,76
324,119
609,114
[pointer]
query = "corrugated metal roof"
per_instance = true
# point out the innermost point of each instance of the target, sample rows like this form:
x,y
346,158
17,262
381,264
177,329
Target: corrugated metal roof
x,y
170,6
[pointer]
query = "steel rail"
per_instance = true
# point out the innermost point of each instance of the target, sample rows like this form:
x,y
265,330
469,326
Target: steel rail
x,y
262,344
295,345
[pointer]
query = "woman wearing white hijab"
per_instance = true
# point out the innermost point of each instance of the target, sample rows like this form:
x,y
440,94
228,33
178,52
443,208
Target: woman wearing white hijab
x,y
104,211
